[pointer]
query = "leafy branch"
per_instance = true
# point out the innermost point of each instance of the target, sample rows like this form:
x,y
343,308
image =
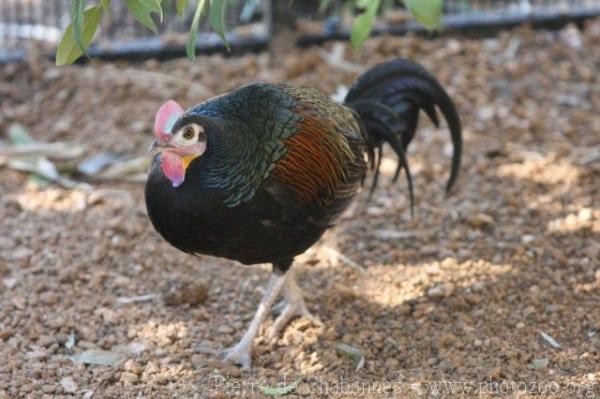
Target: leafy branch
x,y
85,21
427,12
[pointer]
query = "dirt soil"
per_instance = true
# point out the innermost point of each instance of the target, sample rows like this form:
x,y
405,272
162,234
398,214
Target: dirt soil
x,y
493,291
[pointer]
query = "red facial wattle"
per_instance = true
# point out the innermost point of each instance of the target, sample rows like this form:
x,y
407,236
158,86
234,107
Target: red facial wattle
x,y
165,119
173,167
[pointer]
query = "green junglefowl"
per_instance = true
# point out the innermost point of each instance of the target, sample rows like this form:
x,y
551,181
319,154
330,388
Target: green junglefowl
x,y
258,174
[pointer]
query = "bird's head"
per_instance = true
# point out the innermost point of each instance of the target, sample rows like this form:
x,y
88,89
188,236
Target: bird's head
x,y
179,139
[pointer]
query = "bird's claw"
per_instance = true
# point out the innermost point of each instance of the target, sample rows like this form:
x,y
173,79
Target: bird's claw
x,y
239,355
278,308
289,311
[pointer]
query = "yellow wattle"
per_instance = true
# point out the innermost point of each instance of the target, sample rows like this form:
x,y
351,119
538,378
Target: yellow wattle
x,y
187,159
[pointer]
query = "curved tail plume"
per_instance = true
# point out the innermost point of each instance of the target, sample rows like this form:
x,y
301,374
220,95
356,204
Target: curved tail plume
x,y
388,99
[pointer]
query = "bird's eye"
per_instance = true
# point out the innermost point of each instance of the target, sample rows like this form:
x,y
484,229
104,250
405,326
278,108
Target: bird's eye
x,y
188,133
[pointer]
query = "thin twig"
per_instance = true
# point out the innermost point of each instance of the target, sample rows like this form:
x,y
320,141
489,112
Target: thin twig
x,y
58,150
139,298
344,259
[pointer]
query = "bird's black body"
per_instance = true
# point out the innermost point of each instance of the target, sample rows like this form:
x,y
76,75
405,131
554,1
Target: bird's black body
x,y
282,162
270,228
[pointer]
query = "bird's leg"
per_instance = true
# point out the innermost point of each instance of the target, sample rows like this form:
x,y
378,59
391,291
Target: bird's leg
x,y
241,353
293,305
278,307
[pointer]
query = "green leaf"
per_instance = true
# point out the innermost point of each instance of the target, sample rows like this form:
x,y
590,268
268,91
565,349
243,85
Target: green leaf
x,y
365,3
217,17
362,25
68,51
141,10
180,6
427,12
165,8
279,391
105,4
191,43
76,11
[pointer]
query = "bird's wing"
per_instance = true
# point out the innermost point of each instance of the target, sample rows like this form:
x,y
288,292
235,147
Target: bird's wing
x,y
324,158
296,135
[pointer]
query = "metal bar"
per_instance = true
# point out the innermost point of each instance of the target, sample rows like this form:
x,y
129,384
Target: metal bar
x,y
154,48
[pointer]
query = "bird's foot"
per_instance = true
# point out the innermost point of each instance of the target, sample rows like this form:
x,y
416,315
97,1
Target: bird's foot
x,y
290,310
239,354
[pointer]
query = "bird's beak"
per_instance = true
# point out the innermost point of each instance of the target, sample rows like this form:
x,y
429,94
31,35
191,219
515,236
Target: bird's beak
x,y
153,146
157,147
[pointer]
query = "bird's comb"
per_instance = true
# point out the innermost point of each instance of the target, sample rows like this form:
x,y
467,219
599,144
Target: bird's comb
x,y
165,119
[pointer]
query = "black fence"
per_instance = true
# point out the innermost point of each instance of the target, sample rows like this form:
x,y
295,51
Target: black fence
x,y
41,22
479,17
515,6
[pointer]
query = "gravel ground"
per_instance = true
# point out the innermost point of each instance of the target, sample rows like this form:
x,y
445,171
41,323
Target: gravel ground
x,y
456,301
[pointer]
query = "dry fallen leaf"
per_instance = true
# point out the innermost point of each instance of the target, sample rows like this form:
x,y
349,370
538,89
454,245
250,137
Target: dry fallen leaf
x,y
97,356
551,341
539,363
57,150
352,353
36,164
130,169
96,163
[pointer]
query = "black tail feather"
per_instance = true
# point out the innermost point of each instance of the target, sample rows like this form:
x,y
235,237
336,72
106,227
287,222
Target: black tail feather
x,y
388,98
386,133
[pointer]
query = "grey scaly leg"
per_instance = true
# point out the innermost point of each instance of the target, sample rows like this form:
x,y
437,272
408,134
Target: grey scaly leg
x,y
241,353
292,306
